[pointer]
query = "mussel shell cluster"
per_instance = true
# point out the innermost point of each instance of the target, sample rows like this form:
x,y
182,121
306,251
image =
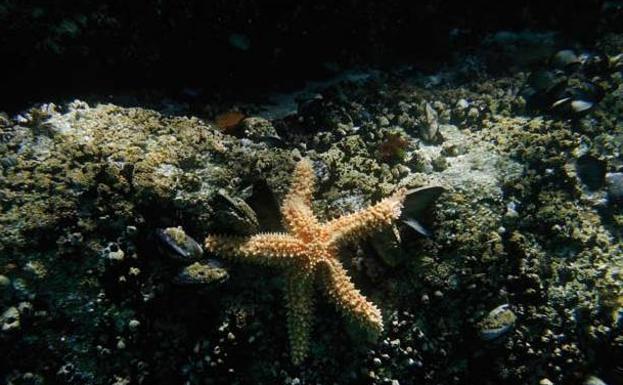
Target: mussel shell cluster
x,y
570,86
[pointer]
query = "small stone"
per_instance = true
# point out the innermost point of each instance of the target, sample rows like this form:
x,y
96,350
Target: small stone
x,y
383,121
4,281
256,127
473,113
25,308
545,381
113,252
133,324
10,319
462,104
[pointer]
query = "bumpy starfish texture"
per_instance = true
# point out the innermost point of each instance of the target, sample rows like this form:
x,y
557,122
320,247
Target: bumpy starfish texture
x,y
308,254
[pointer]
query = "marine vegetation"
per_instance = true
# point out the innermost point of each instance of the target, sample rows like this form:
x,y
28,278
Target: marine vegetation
x,y
309,253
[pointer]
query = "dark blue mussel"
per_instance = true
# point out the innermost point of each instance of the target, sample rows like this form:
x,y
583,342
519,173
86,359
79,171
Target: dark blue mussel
x,y
178,245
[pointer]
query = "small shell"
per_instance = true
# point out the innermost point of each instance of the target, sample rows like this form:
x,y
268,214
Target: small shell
x,y
178,245
593,380
565,59
429,129
581,105
497,323
202,273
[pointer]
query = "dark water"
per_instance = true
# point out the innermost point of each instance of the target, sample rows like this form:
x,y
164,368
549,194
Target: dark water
x,y
62,49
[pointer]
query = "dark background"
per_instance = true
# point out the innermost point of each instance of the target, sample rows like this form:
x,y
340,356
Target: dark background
x,y
53,50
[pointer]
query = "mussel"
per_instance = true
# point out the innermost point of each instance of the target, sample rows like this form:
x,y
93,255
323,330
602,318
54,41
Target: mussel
x,y
234,214
415,205
206,272
178,245
497,323
387,243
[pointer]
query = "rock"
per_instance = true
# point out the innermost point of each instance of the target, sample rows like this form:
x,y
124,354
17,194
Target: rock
x,y
614,186
257,128
591,171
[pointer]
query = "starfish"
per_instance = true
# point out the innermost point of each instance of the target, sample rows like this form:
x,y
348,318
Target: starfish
x,y
308,256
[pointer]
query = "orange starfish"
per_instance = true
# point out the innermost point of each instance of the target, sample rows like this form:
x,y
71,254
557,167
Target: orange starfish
x,y
308,253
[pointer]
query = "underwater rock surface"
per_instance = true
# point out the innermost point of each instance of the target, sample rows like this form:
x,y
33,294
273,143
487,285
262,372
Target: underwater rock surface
x,y
88,295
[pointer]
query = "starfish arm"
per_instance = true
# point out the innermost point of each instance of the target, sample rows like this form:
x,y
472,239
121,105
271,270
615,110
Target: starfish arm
x,y
265,249
302,185
348,299
296,207
368,220
299,302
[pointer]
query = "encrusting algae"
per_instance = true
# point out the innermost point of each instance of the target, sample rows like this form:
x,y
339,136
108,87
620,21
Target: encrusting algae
x,y
308,253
